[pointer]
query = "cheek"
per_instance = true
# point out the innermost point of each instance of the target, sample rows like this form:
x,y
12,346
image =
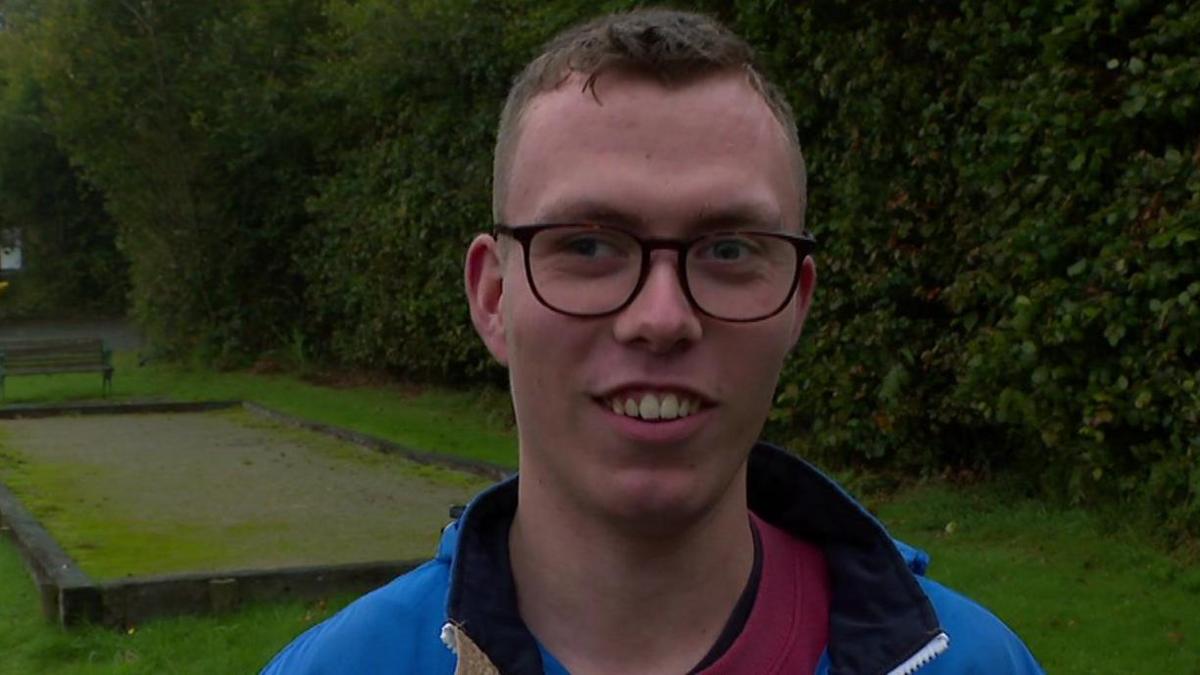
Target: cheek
x,y
751,365
522,321
547,355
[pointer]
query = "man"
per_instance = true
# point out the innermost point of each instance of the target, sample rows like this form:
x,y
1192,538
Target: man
x,y
648,275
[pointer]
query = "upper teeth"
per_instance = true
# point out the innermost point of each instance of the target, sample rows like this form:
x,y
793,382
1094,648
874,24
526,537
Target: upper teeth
x,y
654,406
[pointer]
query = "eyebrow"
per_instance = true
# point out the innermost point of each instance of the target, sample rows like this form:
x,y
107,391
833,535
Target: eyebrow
x,y
591,211
746,214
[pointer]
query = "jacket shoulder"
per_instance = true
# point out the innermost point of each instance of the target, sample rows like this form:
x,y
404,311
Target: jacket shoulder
x,y
980,643
393,629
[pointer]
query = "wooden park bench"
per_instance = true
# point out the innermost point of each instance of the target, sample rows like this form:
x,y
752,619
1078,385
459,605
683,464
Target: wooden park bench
x,y
54,356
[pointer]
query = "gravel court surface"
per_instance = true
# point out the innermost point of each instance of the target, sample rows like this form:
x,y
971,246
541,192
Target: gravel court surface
x,y
145,494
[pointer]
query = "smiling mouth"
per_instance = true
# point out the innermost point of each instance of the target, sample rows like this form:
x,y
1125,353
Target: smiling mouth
x,y
653,406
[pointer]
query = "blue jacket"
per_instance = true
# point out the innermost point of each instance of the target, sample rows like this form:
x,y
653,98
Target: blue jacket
x,y
885,616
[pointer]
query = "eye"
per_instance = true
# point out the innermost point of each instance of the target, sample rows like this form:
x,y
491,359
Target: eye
x,y
591,244
589,247
727,248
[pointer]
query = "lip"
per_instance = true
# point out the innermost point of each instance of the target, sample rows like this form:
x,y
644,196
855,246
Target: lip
x,y
659,432
641,387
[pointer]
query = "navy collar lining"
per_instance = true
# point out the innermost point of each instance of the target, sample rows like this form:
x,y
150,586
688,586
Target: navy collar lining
x,y
483,597
879,616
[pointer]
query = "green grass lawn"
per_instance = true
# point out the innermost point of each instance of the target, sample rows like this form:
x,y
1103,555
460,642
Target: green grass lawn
x,y
473,425
234,643
1089,595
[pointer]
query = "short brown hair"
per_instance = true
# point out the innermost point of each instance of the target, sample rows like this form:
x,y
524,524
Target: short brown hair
x,y
674,46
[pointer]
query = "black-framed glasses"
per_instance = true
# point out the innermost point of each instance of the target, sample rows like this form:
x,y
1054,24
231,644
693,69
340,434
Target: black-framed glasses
x,y
596,270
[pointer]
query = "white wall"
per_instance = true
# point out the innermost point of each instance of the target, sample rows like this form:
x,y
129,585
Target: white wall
x,y
10,258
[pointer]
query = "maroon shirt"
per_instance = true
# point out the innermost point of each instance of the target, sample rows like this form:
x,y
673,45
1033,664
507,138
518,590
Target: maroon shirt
x,y
788,627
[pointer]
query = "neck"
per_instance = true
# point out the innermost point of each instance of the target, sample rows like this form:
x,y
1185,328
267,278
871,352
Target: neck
x,y
606,597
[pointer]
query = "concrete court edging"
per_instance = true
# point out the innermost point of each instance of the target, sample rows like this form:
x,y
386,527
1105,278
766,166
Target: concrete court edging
x,y
59,580
34,411
70,597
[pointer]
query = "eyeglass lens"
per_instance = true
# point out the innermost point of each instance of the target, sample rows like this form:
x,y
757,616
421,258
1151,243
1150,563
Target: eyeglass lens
x,y
589,270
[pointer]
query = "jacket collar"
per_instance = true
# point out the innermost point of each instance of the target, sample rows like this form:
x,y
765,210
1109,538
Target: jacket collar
x,y
879,616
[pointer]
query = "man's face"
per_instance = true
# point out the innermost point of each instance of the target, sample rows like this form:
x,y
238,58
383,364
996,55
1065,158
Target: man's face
x,y
660,162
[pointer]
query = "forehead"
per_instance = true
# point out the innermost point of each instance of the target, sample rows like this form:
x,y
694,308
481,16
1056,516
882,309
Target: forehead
x,y
658,152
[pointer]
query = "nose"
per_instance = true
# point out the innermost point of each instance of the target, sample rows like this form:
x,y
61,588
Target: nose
x,y
660,318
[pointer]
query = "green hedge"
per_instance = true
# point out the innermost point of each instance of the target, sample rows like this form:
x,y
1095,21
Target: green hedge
x,y
417,88
1006,196
185,117
69,244
414,92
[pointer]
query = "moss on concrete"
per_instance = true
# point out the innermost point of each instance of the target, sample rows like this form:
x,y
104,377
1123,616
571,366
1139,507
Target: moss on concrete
x,y
343,451
155,494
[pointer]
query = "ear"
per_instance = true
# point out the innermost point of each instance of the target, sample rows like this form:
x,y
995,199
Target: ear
x,y
804,295
484,275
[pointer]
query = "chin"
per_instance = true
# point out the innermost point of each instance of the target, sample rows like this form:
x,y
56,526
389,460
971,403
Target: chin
x,y
657,501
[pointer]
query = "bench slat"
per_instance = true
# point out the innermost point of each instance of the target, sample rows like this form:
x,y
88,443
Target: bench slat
x,y
11,366
88,349
57,343
50,363
33,356
54,371
13,353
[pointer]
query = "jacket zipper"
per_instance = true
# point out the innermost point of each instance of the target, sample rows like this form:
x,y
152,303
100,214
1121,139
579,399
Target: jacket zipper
x,y
934,648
